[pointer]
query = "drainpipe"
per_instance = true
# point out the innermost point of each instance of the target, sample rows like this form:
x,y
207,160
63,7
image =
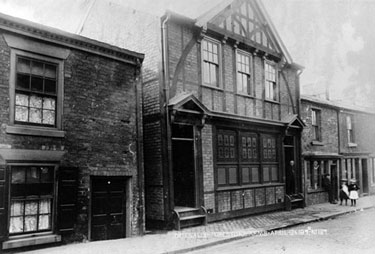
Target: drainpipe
x,y
299,72
166,91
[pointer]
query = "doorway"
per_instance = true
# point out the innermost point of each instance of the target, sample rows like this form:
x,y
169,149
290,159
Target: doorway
x,y
108,208
290,170
364,176
183,159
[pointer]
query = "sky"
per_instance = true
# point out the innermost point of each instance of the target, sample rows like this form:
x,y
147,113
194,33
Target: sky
x,y
332,39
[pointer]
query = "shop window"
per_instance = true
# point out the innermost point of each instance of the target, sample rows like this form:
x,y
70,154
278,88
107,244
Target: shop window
x,y
315,175
31,199
239,162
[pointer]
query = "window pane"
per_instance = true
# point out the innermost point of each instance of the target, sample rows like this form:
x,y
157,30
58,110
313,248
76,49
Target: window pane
x,y
16,208
50,71
23,81
32,175
46,174
30,223
35,115
37,84
16,225
37,68
18,175
245,175
255,175
35,102
22,114
31,207
45,206
221,178
233,176
49,117
44,222
23,65
274,174
266,174
49,103
50,86
22,100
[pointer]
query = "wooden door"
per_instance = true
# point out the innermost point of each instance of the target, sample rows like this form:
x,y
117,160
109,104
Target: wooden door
x,y
108,208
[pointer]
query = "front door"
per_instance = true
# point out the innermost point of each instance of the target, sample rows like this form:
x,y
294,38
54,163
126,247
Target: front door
x,y
108,208
183,165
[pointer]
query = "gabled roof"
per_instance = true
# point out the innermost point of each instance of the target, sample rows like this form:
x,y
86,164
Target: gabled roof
x,y
204,19
187,102
293,121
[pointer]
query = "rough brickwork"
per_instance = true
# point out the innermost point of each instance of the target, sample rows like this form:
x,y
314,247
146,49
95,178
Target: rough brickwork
x,y
329,129
99,119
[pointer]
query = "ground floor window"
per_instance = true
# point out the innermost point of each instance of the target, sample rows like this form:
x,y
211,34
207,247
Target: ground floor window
x,y
244,157
315,173
31,199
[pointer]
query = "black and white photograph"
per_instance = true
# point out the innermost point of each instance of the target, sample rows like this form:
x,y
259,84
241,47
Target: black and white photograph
x,y
187,126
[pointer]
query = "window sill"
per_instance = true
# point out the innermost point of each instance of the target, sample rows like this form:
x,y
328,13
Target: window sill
x,y
352,145
248,186
310,191
34,131
246,95
317,143
271,101
31,240
213,87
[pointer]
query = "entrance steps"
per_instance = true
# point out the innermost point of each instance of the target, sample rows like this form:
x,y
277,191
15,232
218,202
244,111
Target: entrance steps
x,y
189,216
294,201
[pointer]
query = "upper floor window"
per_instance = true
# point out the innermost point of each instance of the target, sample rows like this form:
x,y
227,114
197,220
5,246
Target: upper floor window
x,y
243,73
210,51
315,123
349,128
270,79
35,92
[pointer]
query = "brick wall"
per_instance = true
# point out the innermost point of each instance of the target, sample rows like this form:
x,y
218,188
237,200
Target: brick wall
x,y
329,129
99,120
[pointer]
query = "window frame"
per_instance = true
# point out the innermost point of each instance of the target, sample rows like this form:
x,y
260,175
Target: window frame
x,y
53,198
317,126
218,64
275,86
246,166
250,87
350,129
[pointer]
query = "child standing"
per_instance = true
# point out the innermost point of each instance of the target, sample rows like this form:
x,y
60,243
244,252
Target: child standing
x,y
353,192
344,192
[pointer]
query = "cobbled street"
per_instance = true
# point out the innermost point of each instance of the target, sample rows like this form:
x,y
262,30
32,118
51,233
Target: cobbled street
x,y
351,233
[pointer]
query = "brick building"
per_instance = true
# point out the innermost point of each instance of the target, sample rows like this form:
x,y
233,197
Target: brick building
x,y
220,109
69,137
336,141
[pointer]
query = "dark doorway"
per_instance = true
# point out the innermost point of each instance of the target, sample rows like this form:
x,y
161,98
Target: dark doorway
x,y
183,165
290,166
364,176
108,211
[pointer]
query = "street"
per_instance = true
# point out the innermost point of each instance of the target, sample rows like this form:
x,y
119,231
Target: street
x,y
351,233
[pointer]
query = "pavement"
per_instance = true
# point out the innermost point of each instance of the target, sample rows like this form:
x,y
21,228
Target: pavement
x,y
195,238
